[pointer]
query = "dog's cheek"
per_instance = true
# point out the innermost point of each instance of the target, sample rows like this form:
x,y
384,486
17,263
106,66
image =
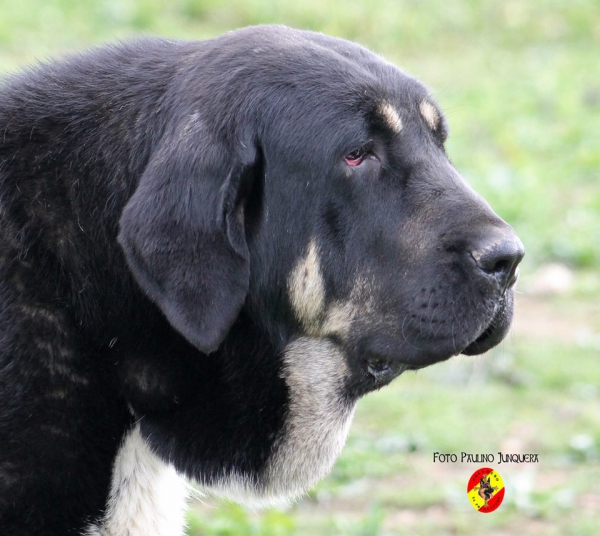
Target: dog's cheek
x,y
307,290
318,418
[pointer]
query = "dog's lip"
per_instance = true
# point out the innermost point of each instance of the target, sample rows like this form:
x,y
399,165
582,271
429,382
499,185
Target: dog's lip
x,y
384,366
383,369
405,367
382,361
495,331
480,340
513,281
483,341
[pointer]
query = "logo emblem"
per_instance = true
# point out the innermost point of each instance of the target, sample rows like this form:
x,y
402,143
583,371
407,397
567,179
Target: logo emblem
x,y
485,490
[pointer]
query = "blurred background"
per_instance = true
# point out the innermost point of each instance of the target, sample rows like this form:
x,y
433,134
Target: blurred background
x,y
520,84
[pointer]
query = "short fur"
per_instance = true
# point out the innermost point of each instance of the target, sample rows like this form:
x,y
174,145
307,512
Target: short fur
x,y
208,252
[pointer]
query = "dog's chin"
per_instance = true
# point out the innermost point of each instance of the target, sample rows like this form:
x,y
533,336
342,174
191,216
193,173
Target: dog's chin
x,y
496,330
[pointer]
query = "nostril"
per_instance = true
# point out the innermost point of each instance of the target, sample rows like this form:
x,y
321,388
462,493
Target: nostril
x,y
500,267
500,260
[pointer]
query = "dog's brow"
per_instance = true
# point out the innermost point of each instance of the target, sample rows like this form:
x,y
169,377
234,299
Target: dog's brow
x,y
390,116
430,114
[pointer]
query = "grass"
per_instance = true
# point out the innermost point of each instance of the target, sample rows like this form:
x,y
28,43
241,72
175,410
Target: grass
x,y
520,84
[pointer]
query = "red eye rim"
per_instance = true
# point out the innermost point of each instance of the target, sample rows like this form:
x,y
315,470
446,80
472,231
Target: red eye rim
x,y
356,157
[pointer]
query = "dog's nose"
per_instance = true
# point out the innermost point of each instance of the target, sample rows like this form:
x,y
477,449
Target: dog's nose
x,y
499,257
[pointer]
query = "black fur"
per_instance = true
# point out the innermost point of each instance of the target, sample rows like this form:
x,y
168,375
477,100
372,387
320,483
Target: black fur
x,y
155,197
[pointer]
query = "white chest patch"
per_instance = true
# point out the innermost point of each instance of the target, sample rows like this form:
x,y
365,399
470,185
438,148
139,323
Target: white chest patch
x,y
147,496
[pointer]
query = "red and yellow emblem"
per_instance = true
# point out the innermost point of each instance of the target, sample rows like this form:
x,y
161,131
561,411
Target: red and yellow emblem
x,y
485,490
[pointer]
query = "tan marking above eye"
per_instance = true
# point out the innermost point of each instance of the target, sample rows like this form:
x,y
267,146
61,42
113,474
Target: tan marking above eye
x,y
390,116
430,114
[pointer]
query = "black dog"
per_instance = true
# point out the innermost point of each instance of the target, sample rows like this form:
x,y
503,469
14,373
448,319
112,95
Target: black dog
x,y
208,252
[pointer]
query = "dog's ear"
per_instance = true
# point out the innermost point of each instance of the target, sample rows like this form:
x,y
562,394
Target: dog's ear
x,y
183,232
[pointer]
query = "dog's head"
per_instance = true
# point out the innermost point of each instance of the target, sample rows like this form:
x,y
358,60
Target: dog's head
x,y
303,180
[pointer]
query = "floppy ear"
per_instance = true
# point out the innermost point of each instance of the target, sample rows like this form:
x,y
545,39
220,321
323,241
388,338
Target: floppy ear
x,y
183,233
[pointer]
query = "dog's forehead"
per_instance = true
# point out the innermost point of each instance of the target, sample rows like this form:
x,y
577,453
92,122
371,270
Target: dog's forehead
x,y
307,93
308,97
305,59
383,91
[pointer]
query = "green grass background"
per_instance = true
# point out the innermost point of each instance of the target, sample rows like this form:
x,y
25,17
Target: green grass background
x,y
520,84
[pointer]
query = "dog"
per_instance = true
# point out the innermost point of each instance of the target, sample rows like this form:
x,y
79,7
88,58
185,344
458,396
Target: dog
x,y
209,251
485,489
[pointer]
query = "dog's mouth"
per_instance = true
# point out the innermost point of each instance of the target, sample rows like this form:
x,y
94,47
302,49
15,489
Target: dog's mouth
x,y
377,361
496,330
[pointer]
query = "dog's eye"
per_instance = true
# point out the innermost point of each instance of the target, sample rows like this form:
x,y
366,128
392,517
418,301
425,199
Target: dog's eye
x,y
358,156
